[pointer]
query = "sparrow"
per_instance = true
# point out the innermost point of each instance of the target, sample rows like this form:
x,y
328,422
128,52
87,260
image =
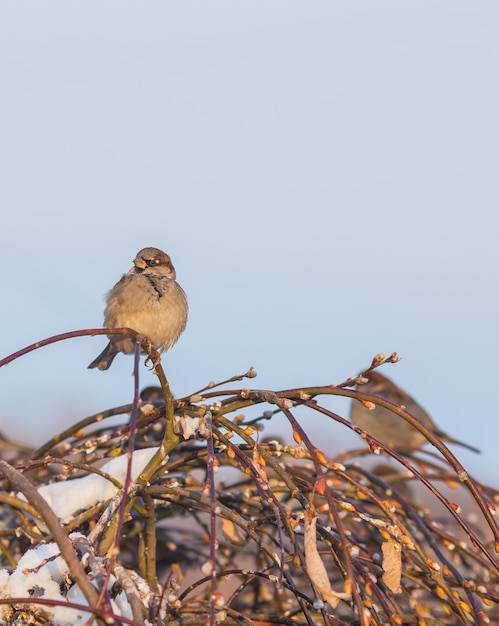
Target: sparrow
x,y
152,394
389,427
147,299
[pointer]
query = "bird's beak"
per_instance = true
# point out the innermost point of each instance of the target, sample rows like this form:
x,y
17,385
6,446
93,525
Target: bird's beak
x,y
140,263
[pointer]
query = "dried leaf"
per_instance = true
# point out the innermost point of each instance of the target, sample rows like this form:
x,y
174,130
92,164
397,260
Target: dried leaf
x,y
315,566
233,532
392,564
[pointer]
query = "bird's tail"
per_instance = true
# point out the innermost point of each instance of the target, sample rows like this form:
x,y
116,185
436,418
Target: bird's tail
x,y
105,358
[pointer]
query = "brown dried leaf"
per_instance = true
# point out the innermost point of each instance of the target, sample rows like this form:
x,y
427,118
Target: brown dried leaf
x,y
315,565
392,564
233,532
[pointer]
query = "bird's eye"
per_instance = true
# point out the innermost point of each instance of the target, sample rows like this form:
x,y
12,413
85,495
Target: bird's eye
x,y
151,262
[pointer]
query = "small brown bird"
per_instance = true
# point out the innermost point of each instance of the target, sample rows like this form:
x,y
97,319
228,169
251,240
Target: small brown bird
x,y
147,299
152,394
389,427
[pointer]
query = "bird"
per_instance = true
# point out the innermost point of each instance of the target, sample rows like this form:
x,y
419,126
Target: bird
x,y
387,426
152,394
147,299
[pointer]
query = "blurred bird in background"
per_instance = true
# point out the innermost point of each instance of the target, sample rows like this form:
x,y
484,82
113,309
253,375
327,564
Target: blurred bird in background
x,y
389,427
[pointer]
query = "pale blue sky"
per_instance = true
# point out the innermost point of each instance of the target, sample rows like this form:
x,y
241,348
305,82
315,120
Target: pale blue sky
x,y
324,176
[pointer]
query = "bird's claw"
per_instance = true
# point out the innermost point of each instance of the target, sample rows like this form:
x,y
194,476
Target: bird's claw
x,y
153,358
